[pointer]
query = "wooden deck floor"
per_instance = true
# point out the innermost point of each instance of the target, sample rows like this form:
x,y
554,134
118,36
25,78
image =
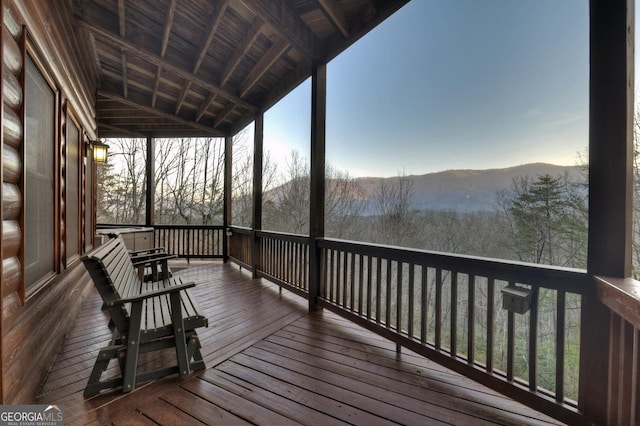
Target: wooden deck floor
x,y
270,362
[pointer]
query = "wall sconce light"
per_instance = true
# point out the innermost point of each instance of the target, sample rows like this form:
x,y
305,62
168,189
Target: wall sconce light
x,y
99,151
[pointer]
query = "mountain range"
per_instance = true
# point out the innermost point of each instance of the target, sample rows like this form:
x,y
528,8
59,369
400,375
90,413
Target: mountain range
x,y
469,190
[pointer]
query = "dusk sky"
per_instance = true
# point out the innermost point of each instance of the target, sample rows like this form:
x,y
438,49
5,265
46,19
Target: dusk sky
x,y
451,84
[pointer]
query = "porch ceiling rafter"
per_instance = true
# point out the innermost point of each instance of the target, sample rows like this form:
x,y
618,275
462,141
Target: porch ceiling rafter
x,y
207,39
214,63
163,48
165,64
336,15
289,25
159,113
123,52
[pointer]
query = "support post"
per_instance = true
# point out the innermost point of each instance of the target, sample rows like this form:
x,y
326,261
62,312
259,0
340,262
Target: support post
x,y
256,222
226,215
150,211
317,195
610,188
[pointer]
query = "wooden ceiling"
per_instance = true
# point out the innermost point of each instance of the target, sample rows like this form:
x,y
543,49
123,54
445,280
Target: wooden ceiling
x,y
171,68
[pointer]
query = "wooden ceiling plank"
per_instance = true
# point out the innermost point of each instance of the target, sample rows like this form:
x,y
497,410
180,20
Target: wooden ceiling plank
x,y
283,19
159,113
210,32
205,106
158,61
250,38
336,15
270,57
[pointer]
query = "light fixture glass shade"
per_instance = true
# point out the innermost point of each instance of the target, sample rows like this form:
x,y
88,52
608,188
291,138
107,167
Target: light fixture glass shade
x,y
100,152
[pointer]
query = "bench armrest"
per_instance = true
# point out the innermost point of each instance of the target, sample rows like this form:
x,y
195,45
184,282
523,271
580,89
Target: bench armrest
x,y
156,257
150,294
148,251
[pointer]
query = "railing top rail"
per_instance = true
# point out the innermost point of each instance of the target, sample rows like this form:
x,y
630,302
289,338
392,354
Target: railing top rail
x,y
544,276
283,236
241,230
622,296
181,226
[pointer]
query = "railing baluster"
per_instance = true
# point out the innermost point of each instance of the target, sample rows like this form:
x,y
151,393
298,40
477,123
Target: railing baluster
x,y
454,314
490,322
352,283
360,283
438,325
345,274
331,275
369,276
399,305
560,343
471,319
424,311
510,342
533,341
378,289
387,287
410,298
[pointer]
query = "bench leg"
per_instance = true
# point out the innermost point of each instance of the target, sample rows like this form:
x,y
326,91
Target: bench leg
x,y
179,335
133,348
193,352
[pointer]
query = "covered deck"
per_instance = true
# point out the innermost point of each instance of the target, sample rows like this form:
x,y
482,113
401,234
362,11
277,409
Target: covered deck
x,y
270,361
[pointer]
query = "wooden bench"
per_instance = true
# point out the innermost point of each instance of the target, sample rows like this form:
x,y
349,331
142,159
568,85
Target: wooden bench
x,y
146,317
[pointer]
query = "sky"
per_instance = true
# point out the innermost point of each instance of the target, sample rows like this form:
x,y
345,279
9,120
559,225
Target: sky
x,y
451,84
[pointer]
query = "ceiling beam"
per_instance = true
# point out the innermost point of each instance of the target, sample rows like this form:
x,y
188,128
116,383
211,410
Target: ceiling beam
x,y
214,23
260,69
205,106
158,61
122,21
119,130
125,78
156,85
183,96
163,49
336,15
285,21
222,115
167,28
242,50
160,113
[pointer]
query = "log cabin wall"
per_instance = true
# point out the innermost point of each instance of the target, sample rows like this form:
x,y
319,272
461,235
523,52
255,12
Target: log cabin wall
x,y
34,320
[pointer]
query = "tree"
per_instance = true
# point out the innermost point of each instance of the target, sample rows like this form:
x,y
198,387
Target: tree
x,y
394,216
547,221
122,183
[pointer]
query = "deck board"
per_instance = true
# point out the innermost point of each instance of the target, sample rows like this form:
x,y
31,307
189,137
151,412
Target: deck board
x,y
269,361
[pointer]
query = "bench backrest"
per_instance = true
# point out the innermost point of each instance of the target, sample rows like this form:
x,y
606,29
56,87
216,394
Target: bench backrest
x,y
115,277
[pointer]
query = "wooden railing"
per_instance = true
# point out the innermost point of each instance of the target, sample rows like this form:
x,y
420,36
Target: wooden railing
x,y
446,307
191,241
622,297
240,245
284,259
449,308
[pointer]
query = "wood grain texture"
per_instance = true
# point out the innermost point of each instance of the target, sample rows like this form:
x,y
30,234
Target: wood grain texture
x,y
271,362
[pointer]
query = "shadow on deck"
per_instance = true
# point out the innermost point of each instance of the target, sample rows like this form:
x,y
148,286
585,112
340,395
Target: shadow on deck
x,y
271,362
